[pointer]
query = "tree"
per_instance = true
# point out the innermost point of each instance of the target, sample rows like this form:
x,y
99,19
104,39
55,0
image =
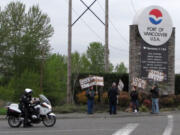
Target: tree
x,y
28,79
95,54
24,38
55,78
80,63
85,64
121,68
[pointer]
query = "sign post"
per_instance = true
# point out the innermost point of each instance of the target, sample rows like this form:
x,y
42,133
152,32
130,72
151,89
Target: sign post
x,y
152,49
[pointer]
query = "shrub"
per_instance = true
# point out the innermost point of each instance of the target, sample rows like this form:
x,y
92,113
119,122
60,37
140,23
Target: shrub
x,y
143,96
124,99
167,101
105,99
2,103
177,100
143,109
147,103
96,99
6,94
81,97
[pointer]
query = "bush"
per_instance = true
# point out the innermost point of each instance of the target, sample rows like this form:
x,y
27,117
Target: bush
x,y
96,99
2,103
143,109
124,99
167,101
81,97
143,96
105,99
177,100
147,103
177,84
6,94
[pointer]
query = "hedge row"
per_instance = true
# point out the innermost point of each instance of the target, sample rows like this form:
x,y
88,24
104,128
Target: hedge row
x,y
124,100
109,78
113,77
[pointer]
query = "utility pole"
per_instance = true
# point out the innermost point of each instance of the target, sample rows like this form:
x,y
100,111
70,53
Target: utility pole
x,y
70,25
69,94
106,50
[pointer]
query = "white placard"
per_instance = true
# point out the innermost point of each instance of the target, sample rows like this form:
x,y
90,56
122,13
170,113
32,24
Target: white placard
x,y
139,82
91,81
156,75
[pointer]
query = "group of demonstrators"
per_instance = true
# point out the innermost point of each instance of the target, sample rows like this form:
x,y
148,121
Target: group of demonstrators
x,y
113,94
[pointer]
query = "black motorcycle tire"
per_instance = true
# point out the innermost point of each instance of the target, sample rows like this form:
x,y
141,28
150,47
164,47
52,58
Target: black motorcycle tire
x,y
12,119
53,118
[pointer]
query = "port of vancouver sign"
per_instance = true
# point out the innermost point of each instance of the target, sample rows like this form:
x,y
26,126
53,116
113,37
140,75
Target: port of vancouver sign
x,y
155,25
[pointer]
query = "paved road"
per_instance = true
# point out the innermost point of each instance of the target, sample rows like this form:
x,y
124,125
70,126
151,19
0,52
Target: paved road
x,y
146,125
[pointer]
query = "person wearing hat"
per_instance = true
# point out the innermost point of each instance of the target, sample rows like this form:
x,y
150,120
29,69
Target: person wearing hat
x,y
155,99
24,105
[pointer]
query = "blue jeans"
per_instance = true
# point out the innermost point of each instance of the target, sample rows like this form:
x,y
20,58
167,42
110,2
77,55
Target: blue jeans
x,y
155,105
135,104
112,108
90,106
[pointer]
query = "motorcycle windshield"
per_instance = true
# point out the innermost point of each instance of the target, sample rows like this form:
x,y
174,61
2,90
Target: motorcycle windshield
x,y
44,99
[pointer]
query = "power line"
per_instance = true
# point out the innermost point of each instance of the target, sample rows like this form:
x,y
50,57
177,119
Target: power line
x,y
133,6
116,29
95,33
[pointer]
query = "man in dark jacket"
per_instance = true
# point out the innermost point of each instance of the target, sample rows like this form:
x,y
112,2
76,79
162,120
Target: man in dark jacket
x,y
24,105
112,95
134,99
155,98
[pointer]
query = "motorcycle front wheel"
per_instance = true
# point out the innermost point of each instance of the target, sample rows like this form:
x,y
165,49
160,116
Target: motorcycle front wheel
x,y
14,122
49,121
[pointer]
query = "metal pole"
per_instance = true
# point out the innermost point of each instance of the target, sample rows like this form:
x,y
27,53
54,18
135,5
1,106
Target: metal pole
x,y
106,51
69,98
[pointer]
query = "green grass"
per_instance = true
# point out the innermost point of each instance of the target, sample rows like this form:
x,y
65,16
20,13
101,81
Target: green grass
x,y
3,111
70,109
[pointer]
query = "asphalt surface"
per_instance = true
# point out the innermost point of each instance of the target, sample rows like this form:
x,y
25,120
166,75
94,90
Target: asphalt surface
x,y
142,125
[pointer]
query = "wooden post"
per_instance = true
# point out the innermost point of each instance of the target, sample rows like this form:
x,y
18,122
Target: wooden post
x,y
106,51
69,93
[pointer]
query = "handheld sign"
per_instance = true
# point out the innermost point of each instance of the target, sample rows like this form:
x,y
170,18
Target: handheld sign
x,y
139,82
91,81
156,75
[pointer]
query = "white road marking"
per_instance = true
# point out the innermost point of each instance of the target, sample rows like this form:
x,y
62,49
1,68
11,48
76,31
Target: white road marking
x,y
169,128
127,129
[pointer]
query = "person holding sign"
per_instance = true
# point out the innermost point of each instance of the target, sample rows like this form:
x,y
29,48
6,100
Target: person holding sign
x,y
90,93
155,99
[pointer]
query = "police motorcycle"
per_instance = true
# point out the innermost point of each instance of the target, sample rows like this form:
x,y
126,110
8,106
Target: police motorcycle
x,y
40,111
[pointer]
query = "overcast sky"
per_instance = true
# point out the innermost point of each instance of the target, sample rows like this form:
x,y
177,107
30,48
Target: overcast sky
x,y
89,29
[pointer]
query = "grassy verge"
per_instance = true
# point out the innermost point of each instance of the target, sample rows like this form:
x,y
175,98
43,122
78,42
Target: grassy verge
x,y
70,109
3,111
98,108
